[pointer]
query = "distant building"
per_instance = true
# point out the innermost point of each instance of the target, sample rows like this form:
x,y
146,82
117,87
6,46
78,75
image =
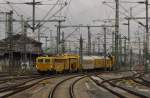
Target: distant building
x,y
23,49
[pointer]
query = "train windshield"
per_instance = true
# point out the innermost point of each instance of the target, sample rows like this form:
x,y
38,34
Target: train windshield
x,y
40,60
47,60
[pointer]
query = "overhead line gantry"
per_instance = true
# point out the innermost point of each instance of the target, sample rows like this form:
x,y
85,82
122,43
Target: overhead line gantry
x,y
89,33
33,3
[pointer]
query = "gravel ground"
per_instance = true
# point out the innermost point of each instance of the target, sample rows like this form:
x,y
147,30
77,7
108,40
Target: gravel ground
x,y
81,90
97,92
147,77
63,90
85,88
40,90
135,87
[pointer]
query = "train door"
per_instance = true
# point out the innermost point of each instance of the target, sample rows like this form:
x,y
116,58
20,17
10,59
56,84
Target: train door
x,y
59,65
73,64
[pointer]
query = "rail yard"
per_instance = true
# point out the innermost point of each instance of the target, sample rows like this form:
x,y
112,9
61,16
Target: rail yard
x,y
77,85
74,49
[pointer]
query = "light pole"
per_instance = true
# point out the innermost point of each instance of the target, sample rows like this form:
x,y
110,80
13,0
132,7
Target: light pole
x,y
98,45
117,32
128,24
125,53
147,38
105,51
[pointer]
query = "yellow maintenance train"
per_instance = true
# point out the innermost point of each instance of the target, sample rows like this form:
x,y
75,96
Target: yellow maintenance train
x,y
71,63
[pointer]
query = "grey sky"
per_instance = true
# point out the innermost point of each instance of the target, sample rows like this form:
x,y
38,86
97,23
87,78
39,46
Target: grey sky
x,y
78,12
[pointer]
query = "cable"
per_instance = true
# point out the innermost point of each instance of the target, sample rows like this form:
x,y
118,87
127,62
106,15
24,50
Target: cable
x,y
114,9
54,14
72,33
49,11
23,12
124,9
126,15
68,11
46,28
12,8
45,1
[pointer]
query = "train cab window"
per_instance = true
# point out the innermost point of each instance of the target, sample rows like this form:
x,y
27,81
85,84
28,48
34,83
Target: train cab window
x,y
40,60
47,60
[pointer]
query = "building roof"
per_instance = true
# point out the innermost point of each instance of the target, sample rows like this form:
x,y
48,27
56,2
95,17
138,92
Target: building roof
x,y
20,38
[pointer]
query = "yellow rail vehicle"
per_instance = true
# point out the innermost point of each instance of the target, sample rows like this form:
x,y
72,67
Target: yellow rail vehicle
x,y
97,62
45,64
71,63
58,64
66,63
102,63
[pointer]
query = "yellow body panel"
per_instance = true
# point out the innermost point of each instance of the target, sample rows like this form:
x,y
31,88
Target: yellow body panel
x,y
67,63
60,64
100,63
44,63
42,67
74,65
59,67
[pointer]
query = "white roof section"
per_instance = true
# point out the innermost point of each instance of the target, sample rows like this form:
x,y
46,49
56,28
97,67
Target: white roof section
x,y
93,57
99,57
88,58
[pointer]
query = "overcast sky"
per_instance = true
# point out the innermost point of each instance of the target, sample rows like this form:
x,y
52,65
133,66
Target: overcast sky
x,y
77,12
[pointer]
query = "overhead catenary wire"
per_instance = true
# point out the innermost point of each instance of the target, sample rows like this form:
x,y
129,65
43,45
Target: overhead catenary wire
x,y
50,10
114,9
54,14
12,8
134,19
71,33
15,11
68,13
26,3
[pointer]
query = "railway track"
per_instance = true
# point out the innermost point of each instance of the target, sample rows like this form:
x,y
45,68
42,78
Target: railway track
x,y
9,91
70,90
107,88
6,80
137,78
141,82
104,84
18,77
26,82
146,81
31,81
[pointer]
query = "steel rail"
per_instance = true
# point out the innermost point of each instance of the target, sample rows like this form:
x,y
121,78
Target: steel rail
x,y
106,88
127,90
71,88
22,88
51,94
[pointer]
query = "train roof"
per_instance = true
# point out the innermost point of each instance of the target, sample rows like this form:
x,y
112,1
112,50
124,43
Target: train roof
x,y
99,57
88,58
44,57
93,57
